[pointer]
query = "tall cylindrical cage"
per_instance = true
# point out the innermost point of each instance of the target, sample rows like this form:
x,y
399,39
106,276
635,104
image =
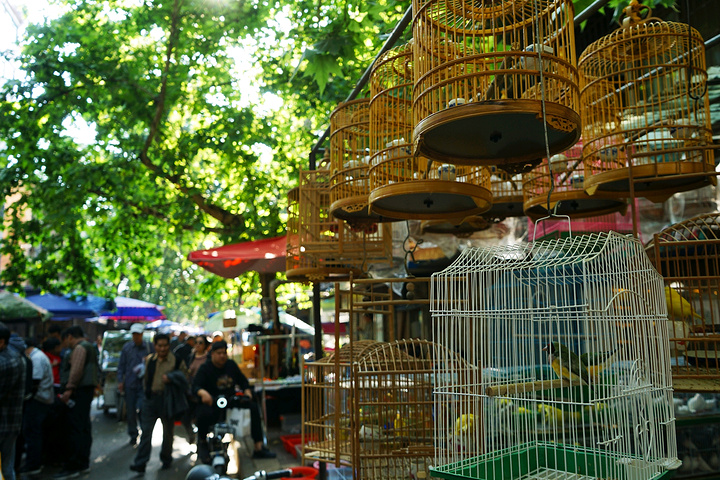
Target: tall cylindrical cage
x,y
320,247
491,77
646,117
570,341
687,255
405,186
560,183
350,160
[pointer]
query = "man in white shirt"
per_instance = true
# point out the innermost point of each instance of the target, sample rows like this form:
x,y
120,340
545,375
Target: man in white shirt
x,y
37,408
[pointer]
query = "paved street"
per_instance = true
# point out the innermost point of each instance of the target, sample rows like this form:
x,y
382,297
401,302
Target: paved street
x,y
112,456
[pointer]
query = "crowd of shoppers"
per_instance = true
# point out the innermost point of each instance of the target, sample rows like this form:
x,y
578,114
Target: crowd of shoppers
x,y
47,387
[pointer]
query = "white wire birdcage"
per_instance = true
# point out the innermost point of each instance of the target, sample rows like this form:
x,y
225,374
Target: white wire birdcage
x,y
591,305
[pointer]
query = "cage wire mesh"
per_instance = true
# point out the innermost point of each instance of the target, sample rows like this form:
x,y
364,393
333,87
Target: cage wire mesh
x,y
321,247
645,109
687,255
405,186
563,180
483,67
570,338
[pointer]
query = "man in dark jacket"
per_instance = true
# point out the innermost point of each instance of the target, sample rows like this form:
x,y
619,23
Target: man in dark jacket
x,y
82,374
12,389
223,376
159,369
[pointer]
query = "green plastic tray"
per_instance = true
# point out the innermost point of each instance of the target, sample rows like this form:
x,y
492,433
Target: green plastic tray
x,y
549,461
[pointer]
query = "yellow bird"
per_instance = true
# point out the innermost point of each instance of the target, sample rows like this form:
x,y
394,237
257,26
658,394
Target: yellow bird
x,y
557,415
464,424
678,306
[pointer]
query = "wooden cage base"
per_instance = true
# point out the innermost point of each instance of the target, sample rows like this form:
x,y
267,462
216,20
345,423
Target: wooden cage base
x,y
506,207
430,200
462,227
320,274
575,204
496,132
356,209
655,182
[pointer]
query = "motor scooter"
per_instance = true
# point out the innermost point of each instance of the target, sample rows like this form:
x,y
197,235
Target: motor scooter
x,y
223,432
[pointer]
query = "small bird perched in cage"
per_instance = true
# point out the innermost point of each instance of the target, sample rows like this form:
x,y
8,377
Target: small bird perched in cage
x,y
566,364
678,306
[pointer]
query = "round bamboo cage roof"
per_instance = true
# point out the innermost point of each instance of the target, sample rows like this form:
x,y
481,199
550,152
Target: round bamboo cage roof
x,y
461,227
491,77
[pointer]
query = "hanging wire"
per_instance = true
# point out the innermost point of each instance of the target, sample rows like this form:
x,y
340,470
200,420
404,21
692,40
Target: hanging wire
x,y
539,40
409,252
688,74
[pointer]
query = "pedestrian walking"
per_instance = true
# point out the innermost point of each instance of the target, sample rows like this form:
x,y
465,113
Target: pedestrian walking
x,y
82,373
37,408
161,370
131,369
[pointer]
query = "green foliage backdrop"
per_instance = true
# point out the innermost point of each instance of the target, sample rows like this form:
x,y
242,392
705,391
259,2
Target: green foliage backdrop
x,y
140,130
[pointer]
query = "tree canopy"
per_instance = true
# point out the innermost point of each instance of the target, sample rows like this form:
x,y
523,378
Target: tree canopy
x,y
140,130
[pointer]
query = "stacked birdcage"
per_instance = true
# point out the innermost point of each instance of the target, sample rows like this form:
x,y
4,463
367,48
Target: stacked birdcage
x,y
370,407
687,255
570,337
405,186
559,184
646,118
350,161
492,79
320,247
328,403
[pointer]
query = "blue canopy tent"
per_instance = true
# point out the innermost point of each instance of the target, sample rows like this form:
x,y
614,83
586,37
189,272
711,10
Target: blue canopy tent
x,y
61,308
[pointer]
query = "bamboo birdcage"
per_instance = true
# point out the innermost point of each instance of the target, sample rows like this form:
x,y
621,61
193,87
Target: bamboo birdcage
x,y
405,186
480,96
320,247
646,118
687,255
349,161
564,174
525,315
370,407
507,195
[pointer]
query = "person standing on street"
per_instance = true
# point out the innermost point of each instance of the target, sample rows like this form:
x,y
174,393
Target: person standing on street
x,y
12,390
159,370
37,408
82,375
129,376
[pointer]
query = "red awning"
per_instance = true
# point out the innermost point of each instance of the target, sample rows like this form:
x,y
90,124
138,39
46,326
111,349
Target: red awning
x,y
229,261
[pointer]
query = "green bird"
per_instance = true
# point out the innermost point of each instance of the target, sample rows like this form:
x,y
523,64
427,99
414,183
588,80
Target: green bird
x,y
595,362
566,364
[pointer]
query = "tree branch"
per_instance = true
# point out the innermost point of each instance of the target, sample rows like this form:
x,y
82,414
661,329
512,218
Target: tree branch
x,y
224,216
